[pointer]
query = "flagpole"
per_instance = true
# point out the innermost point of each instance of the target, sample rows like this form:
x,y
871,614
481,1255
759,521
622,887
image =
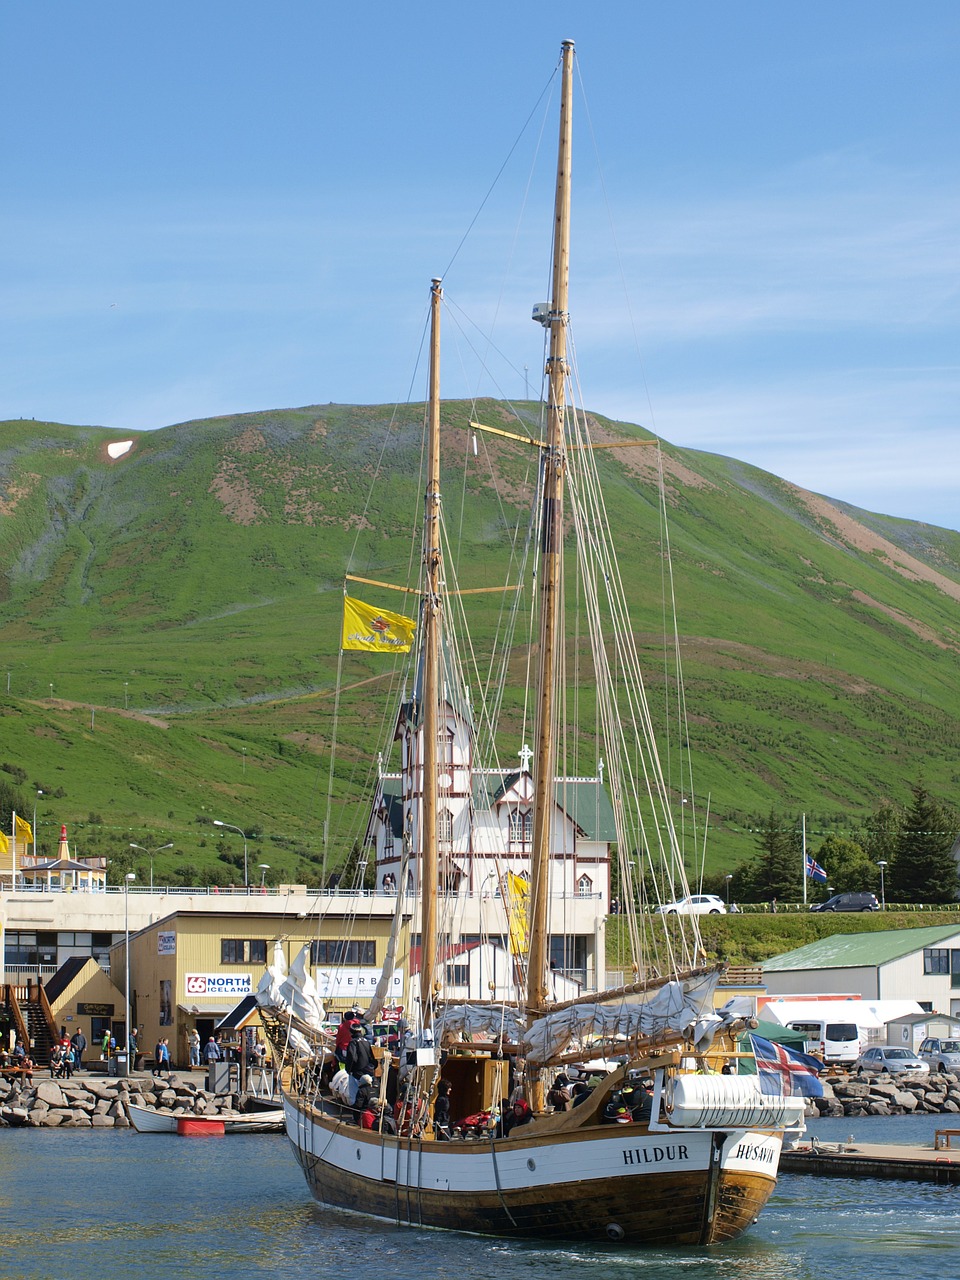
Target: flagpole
x,y
803,841
13,849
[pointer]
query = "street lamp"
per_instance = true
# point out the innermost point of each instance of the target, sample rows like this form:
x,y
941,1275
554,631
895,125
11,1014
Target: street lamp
x,y
726,886
264,868
126,684
130,876
151,852
883,893
240,832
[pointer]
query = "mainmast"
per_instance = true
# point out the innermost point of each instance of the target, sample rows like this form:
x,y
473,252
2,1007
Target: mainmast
x,y
554,464
430,692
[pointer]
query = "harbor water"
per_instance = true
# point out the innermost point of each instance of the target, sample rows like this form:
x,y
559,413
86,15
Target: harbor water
x,y
89,1204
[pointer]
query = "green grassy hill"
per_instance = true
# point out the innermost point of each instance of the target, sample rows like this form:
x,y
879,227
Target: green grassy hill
x,y
169,625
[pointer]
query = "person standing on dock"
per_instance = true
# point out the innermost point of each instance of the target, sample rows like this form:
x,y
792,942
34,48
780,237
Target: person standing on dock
x,y
78,1042
194,1042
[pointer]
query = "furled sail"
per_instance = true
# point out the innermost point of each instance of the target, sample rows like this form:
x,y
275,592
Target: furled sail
x,y
294,992
677,1008
496,1022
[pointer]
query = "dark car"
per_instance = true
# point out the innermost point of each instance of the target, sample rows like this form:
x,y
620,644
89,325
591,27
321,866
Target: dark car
x,y
848,902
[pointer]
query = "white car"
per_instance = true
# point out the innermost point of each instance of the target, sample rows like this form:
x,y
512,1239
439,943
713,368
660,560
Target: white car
x,y
696,904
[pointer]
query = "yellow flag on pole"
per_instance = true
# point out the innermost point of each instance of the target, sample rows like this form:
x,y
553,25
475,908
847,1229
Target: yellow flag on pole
x,y
518,892
375,630
4,843
22,830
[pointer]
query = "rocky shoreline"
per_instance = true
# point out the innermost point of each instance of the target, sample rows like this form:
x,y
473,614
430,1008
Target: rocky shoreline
x,y
98,1103
883,1095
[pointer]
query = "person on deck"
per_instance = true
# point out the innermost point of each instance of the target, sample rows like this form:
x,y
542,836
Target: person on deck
x,y
363,1102
342,1041
212,1051
194,1042
518,1115
359,1058
441,1112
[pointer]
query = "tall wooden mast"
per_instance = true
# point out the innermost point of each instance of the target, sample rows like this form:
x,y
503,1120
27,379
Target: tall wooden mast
x,y
430,692
554,464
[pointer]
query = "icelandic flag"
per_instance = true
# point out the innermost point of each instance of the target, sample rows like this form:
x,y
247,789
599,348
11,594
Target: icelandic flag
x,y
815,871
786,1072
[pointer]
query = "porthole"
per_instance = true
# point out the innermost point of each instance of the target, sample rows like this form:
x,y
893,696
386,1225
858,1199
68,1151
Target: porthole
x,y
531,1165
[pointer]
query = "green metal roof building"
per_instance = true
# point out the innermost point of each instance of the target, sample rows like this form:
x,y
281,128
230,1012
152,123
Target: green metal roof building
x,y
920,964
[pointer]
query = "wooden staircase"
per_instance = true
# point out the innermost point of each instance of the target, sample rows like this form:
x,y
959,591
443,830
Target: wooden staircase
x,y
30,1012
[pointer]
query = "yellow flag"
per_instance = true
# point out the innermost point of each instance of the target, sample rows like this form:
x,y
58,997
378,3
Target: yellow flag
x,y
518,891
22,830
375,630
4,843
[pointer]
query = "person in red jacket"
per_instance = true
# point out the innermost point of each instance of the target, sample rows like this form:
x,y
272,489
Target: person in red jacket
x,y
344,1035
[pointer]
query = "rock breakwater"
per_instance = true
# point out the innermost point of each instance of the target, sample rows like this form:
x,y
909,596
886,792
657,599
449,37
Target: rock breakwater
x,y
96,1103
884,1095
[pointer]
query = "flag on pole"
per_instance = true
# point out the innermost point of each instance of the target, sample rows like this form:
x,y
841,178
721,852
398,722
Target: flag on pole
x,y
518,893
814,870
4,843
22,829
375,630
786,1072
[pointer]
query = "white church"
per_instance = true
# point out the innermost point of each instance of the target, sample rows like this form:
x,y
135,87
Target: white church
x,y
485,829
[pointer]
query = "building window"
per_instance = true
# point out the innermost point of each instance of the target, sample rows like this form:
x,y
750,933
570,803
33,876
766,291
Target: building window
x,y
445,829
955,968
331,951
521,829
584,887
568,952
445,752
936,960
458,975
243,951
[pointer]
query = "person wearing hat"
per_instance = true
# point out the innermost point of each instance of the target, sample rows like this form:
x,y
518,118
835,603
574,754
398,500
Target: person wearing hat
x,y
363,1101
359,1058
518,1115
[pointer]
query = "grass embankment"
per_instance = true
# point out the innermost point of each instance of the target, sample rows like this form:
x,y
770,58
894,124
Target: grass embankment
x,y
749,938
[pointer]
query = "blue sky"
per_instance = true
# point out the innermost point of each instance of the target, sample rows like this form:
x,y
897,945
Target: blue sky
x,y
219,207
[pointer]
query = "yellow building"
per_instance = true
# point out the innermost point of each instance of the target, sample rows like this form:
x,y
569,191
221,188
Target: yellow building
x,y
192,967
82,998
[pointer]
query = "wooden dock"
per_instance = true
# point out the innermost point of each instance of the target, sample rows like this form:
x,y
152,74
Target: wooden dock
x,y
873,1160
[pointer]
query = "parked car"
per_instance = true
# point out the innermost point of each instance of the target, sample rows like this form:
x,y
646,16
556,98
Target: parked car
x,y
848,902
896,1062
942,1055
696,904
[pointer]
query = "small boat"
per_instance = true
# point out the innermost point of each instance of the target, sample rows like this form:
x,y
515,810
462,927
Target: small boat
x,y
147,1120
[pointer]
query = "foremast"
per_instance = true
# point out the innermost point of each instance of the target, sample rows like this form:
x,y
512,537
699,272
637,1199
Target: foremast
x,y
430,623
551,541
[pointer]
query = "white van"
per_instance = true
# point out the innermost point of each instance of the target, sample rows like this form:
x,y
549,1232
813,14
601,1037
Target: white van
x,y
833,1042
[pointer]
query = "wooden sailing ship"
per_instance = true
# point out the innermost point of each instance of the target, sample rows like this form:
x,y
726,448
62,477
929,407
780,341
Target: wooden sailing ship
x,y
698,1164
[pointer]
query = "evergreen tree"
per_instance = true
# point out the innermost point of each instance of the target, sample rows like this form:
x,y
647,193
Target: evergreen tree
x,y
924,869
776,870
